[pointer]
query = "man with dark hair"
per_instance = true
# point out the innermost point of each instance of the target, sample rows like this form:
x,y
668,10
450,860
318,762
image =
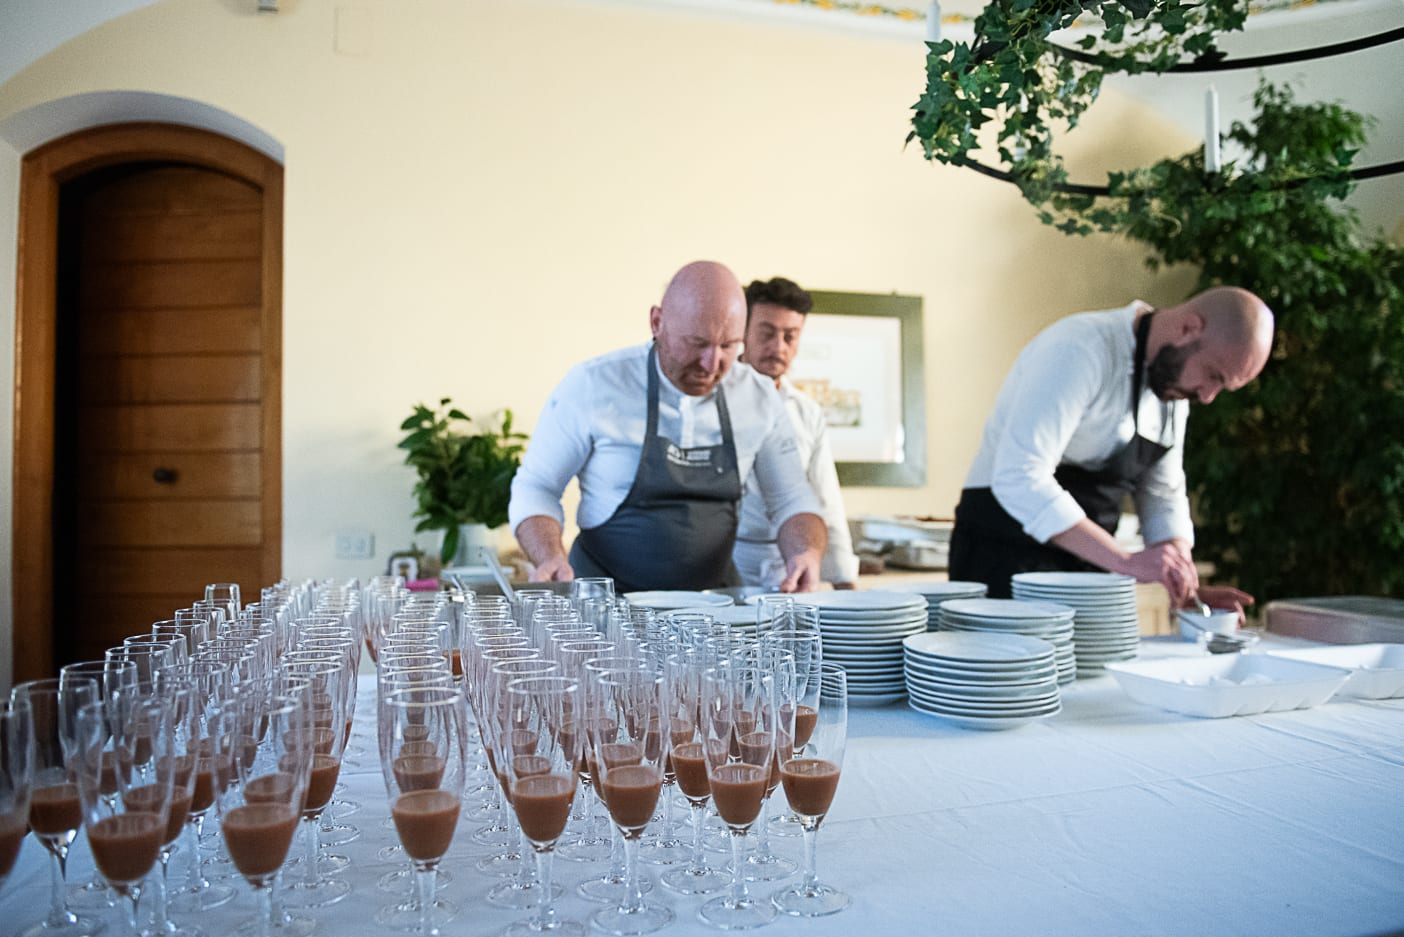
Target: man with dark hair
x,y
1093,410
775,317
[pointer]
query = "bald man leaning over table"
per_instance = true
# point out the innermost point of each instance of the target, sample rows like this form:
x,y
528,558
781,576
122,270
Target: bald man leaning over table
x,y
662,438
1095,409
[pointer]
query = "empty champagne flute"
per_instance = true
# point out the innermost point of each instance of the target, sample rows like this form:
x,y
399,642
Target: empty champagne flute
x,y
739,723
423,759
263,759
16,779
55,809
541,755
810,774
628,733
125,841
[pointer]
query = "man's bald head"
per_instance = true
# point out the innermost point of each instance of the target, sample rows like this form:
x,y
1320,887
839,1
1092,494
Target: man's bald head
x,y
699,325
1216,340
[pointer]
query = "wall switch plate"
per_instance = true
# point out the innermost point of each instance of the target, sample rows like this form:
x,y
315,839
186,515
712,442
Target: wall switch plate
x,y
355,544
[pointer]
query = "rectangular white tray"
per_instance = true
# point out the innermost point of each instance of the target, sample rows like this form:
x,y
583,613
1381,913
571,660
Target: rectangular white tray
x,y
1228,684
1377,670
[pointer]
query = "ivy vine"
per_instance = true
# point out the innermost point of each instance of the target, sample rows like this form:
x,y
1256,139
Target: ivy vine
x,y
1012,75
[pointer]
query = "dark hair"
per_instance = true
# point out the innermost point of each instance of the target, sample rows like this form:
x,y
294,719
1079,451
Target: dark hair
x,y
778,292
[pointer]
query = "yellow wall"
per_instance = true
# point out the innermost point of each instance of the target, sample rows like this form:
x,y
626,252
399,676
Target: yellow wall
x,y
502,187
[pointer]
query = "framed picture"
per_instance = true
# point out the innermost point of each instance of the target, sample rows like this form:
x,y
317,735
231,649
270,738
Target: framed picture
x,y
861,358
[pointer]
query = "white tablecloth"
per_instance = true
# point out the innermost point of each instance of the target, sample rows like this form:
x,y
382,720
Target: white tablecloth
x,y
1112,818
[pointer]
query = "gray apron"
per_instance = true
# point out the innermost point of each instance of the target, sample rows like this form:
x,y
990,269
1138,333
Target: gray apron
x,y
676,527
988,545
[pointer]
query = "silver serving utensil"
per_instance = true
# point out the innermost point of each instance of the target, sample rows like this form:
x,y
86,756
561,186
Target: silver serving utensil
x,y
490,558
1203,606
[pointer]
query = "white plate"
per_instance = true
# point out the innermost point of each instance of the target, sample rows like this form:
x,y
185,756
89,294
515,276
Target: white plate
x,y
978,722
1377,670
853,600
945,588
1005,609
1075,581
738,616
1228,684
896,627
672,600
978,647
967,707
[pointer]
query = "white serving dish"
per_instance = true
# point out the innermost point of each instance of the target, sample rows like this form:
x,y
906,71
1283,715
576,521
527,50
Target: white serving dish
x,y
1377,670
1218,621
1228,684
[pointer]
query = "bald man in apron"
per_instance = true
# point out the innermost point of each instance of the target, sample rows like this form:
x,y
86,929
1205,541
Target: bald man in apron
x,y
1093,413
662,438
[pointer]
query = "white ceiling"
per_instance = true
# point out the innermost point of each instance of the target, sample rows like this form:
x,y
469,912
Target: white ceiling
x,y
1367,81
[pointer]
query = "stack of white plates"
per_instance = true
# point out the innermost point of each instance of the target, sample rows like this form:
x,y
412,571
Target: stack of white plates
x,y
1047,620
741,618
667,600
863,633
1105,627
937,593
980,680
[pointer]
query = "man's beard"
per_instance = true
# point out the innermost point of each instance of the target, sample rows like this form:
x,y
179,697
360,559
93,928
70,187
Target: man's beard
x,y
1164,370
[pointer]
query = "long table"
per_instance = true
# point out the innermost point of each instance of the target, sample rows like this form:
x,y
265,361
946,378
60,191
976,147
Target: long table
x,y
1111,818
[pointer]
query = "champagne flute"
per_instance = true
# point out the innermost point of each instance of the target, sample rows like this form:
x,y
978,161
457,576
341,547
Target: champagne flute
x,y
685,690
55,810
126,841
541,755
423,759
811,775
330,699
213,683
263,760
116,681
16,779
739,740
629,743
178,692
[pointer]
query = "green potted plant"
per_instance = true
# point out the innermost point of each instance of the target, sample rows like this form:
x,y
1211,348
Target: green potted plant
x,y
465,473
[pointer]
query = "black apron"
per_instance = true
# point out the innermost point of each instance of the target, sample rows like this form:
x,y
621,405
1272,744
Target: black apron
x,y
988,545
677,526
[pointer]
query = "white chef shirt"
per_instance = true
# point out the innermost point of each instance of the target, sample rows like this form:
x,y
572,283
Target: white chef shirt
x,y
1066,400
592,428
755,538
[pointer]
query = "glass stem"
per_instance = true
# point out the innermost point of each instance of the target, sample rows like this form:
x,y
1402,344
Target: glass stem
x,y
314,849
545,912
811,875
195,880
633,894
58,876
424,880
763,834
667,837
528,866
265,909
739,895
159,915
697,813
133,896
617,862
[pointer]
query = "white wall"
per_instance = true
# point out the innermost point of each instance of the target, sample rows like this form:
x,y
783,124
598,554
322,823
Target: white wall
x,y
496,189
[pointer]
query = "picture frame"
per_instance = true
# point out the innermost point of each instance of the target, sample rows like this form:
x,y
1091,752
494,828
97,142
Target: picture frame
x,y
862,358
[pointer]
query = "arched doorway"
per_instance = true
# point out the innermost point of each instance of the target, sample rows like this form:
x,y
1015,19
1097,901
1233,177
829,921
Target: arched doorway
x,y
148,382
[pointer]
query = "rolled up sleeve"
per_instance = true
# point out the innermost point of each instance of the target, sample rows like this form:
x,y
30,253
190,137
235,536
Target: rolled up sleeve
x,y
780,475
559,447
1053,394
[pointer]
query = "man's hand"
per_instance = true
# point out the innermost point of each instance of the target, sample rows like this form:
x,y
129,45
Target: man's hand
x,y
802,572
1225,597
540,537
802,539
1168,563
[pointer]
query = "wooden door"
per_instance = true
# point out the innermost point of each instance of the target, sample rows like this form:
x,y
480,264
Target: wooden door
x,y
164,429
161,332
